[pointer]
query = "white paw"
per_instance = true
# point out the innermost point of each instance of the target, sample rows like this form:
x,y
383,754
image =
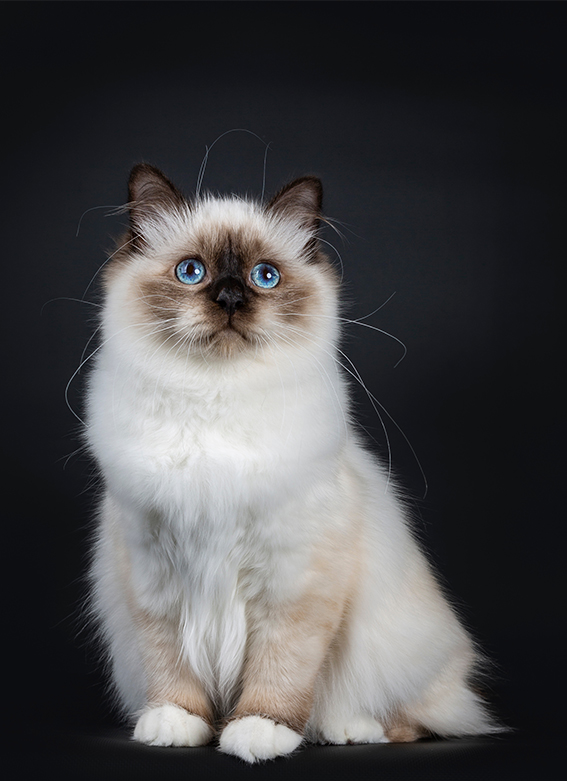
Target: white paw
x,y
358,729
169,725
254,738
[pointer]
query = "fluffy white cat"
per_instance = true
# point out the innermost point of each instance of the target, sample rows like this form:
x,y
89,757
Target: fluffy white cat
x,y
254,574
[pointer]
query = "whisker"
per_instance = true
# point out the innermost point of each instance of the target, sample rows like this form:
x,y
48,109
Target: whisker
x,y
91,337
77,370
68,457
84,360
203,167
109,258
348,321
374,328
332,223
66,298
181,342
115,210
271,340
356,374
365,317
157,329
330,383
332,246
374,401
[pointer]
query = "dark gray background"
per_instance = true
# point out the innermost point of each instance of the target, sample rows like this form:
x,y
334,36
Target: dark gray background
x,y
438,131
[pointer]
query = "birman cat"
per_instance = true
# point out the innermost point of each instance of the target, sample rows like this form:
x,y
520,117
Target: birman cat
x,y
255,575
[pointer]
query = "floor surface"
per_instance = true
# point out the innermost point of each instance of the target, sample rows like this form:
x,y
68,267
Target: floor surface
x,y
110,754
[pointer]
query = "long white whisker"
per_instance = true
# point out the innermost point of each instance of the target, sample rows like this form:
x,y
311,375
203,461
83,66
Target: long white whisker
x,y
332,246
365,317
333,317
356,374
91,337
93,353
203,167
321,368
266,150
183,340
109,258
374,328
67,458
354,322
374,401
92,209
66,298
77,370
270,340
201,173
158,328
330,221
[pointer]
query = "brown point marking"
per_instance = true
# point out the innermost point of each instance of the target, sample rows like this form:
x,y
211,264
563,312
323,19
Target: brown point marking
x,y
288,644
169,680
404,733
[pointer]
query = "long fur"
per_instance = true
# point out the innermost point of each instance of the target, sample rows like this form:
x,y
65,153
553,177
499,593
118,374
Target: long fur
x,y
253,560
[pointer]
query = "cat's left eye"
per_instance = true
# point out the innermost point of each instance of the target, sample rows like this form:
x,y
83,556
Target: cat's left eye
x,y
190,271
265,275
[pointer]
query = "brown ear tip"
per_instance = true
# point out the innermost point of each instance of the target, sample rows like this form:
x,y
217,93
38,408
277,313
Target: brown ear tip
x,y
148,183
302,195
317,186
311,181
143,170
315,180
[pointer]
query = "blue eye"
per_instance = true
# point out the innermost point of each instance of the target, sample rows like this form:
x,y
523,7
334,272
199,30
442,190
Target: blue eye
x,y
190,271
265,275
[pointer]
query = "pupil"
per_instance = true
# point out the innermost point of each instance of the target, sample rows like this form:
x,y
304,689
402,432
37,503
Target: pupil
x,y
193,270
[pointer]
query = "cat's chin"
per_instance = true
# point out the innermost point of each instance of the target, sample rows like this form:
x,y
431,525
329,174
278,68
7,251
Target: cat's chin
x,y
227,343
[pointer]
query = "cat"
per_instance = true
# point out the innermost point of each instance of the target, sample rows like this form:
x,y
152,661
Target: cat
x,y
254,574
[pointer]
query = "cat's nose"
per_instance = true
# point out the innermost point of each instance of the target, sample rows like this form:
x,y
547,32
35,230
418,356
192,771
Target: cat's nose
x,y
230,297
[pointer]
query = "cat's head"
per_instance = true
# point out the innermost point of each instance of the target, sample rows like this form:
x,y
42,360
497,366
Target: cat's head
x,y
219,277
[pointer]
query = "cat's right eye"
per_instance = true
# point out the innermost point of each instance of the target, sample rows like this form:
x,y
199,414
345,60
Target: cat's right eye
x,y
190,271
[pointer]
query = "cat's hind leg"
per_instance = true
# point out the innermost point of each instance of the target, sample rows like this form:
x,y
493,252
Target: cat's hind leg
x,y
354,729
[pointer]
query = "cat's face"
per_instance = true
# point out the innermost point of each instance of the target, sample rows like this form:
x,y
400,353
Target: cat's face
x,y
220,277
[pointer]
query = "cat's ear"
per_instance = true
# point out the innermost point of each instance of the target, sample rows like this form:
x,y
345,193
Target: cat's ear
x,y
301,201
150,196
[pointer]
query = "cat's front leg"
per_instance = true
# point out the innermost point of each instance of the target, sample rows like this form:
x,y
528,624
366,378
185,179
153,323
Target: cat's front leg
x,y
171,725
178,712
287,646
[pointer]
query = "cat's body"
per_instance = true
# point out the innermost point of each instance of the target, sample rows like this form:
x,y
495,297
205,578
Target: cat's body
x,y
254,570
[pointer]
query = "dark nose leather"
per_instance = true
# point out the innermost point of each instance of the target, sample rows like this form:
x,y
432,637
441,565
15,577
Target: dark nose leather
x,y
230,296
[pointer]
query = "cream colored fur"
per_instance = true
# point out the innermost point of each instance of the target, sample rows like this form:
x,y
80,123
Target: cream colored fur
x,y
252,560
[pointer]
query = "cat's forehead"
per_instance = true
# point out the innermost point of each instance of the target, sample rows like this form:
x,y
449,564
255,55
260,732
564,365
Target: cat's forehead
x,y
212,223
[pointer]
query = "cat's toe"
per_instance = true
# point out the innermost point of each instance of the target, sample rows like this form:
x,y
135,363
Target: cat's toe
x,y
170,725
358,729
255,738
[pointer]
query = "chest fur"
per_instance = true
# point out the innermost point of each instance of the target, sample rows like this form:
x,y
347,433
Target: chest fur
x,y
240,451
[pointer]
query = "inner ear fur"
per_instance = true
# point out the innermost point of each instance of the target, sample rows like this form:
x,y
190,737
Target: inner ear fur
x,y
301,201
